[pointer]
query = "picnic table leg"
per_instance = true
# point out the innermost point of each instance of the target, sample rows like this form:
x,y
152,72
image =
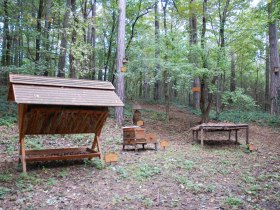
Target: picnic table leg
x,y
247,135
193,135
229,134
236,137
201,137
196,133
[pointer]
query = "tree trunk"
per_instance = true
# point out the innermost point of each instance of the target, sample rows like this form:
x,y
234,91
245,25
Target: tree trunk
x,y
232,73
38,37
119,61
221,79
6,45
267,79
47,34
274,60
206,98
157,54
63,45
166,84
93,40
193,41
74,38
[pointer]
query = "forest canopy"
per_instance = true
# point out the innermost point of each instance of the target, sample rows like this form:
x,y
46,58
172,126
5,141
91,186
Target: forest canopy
x,y
217,55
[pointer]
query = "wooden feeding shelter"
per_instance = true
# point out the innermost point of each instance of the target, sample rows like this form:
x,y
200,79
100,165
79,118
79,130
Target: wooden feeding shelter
x,y
48,105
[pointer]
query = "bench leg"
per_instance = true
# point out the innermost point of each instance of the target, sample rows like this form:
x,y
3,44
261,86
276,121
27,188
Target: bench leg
x,y
201,136
247,135
236,137
229,135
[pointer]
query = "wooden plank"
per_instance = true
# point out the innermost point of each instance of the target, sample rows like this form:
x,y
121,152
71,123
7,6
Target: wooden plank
x,y
59,150
62,157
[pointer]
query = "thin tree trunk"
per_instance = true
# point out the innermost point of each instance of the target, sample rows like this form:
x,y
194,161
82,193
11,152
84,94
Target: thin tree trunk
x,y
267,79
166,84
62,56
232,73
6,52
157,54
221,79
120,56
47,34
38,37
93,40
74,38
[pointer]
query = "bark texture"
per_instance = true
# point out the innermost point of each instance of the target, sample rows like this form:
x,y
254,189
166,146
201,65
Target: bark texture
x,y
119,61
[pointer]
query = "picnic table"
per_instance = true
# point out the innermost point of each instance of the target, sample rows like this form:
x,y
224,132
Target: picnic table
x,y
219,127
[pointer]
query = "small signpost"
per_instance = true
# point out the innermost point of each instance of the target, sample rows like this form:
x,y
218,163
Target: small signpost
x,y
196,89
111,158
164,144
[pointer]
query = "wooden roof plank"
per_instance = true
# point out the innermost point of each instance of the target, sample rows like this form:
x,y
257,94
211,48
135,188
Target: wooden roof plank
x,y
27,94
60,82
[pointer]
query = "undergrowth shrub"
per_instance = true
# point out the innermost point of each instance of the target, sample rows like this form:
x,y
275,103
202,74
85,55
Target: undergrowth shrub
x,y
8,111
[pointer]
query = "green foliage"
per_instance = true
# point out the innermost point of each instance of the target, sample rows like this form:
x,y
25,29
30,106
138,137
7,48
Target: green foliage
x,y
26,182
5,177
259,117
63,173
188,164
4,191
234,202
194,187
146,171
238,99
96,163
8,113
52,181
122,173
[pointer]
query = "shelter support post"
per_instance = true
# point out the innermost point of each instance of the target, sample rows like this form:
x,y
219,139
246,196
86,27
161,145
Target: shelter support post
x,y
21,113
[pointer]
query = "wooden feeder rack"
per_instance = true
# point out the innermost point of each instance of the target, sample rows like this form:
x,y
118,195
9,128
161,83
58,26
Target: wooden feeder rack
x,y
49,105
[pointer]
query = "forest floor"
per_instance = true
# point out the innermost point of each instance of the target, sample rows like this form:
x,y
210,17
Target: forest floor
x,y
220,175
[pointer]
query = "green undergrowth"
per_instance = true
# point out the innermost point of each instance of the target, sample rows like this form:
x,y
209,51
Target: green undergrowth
x,y
8,111
239,116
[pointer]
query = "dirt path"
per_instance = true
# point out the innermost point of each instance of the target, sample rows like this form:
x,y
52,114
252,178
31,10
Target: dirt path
x,y
184,176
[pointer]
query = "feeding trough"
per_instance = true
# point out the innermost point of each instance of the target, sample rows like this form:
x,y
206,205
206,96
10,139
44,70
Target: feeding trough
x,y
48,105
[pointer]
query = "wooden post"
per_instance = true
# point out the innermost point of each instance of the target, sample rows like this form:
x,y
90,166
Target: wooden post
x,y
247,135
229,135
236,137
21,113
201,136
22,154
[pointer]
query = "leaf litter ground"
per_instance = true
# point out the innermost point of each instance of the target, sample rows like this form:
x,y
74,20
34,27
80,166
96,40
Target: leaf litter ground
x,y
221,175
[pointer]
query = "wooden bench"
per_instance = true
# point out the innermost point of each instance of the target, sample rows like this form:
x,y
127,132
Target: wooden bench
x,y
219,127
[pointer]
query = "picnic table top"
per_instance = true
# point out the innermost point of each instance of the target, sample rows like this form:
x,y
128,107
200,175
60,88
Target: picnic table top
x,y
219,126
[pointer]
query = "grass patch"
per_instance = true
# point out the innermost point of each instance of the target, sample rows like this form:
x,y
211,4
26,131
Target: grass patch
x,y
26,182
233,202
96,163
5,177
146,171
194,187
4,191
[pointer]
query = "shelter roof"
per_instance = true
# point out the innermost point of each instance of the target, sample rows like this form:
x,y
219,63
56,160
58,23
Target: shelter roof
x,y
25,89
